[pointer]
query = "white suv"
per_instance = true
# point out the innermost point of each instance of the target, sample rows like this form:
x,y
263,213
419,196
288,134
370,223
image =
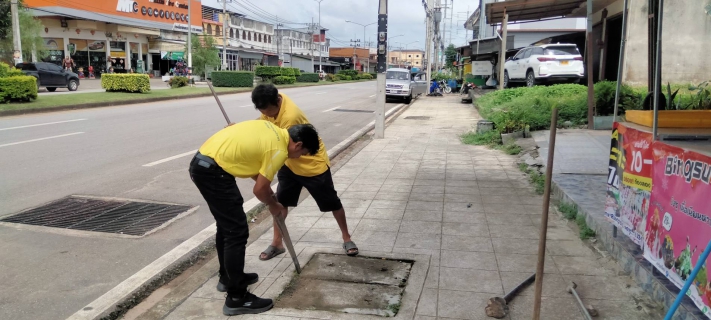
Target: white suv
x,y
548,62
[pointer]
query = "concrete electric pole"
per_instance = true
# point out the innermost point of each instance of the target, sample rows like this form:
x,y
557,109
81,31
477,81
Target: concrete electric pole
x,y
16,41
312,27
225,25
320,66
382,69
190,42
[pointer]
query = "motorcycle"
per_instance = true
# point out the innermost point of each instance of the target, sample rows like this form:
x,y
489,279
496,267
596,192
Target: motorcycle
x,y
444,87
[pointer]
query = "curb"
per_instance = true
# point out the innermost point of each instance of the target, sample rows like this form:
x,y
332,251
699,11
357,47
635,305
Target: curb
x,y
17,112
631,258
114,303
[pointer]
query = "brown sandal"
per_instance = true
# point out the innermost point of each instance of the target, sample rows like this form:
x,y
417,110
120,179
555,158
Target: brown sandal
x,y
271,252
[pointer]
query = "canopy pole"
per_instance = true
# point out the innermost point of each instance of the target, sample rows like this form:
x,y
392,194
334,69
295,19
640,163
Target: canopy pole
x,y
621,65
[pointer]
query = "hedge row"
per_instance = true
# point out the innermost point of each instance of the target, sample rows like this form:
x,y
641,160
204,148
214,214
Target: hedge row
x,y
241,79
139,83
284,80
351,73
307,77
18,88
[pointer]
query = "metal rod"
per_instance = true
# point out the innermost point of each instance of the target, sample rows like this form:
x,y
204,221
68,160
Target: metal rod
x,y
509,296
287,242
209,84
589,68
658,69
544,218
572,291
620,65
700,262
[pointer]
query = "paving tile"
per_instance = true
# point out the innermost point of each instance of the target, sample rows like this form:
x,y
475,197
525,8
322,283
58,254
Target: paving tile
x,y
523,263
465,229
588,266
432,279
462,305
432,197
429,182
427,305
378,225
387,204
418,240
552,308
470,280
449,197
513,231
513,245
198,308
322,235
425,205
568,248
384,213
503,208
468,260
429,227
474,191
554,285
300,222
508,219
461,183
464,206
419,215
398,196
428,189
466,243
464,217
363,187
508,200
380,238
329,222
362,195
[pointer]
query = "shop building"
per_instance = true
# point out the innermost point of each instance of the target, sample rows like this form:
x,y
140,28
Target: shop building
x,y
114,35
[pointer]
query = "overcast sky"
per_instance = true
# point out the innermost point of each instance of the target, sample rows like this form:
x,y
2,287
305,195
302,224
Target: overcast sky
x,y
406,17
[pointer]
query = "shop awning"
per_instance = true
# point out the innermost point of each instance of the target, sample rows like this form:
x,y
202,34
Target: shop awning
x,y
528,10
250,55
490,45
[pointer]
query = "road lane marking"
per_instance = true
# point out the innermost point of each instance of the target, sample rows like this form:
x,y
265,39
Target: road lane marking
x,y
170,158
322,92
331,109
249,105
371,96
138,279
40,139
41,124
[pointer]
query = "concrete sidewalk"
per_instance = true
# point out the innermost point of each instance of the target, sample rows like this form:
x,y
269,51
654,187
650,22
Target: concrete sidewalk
x,y
468,209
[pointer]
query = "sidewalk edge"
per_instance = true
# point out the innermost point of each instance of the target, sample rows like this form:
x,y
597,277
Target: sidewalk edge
x,y
130,292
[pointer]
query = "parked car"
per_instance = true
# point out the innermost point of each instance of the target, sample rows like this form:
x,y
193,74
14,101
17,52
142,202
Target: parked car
x,y
550,62
50,76
402,84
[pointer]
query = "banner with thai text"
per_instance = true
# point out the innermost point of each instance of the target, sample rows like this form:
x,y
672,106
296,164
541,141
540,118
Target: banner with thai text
x,y
679,220
629,180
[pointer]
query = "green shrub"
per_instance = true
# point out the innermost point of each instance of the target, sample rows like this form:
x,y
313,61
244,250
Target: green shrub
x,y
605,98
347,78
297,72
329,77
338,77
139,83
307,77
284,80
287,72
267,71
178,82
18,88
373,74
490,138
365,76
351,73
8,71
241,79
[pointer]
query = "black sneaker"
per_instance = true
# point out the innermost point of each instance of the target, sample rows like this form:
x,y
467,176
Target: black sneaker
x,y
247,304
251,278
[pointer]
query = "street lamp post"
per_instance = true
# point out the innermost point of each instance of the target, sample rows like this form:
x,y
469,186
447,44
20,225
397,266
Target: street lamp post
x,y
388,46
407,44
364,26
320,67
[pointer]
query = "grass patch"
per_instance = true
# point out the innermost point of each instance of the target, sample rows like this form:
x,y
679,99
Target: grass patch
x,y
570,212
537,179
65,100
511,148
394,308
489,138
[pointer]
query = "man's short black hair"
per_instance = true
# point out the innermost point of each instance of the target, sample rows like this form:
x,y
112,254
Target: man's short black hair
x,y
265,95
307,135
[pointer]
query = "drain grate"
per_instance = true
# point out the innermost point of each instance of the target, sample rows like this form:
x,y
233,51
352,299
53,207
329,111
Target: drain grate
x,y
418,118
90,214
354,110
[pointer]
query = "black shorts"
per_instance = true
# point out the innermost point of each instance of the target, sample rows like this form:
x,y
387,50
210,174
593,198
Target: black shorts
x,y
320,187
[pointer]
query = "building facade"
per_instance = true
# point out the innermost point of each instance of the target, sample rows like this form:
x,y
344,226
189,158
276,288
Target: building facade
x,y
115,35
413,58
305,41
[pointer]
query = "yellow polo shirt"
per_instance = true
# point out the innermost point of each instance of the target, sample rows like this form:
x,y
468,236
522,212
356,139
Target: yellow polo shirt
x,y
249,148
290,115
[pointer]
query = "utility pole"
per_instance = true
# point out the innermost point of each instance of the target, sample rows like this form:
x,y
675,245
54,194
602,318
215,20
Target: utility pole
x,y
279,36
225,25
190,42
502,53
16,40
320,66
312,44
382,69
428,41
355,43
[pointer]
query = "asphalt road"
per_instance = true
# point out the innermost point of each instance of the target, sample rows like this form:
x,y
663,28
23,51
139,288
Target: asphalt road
x,y
50,274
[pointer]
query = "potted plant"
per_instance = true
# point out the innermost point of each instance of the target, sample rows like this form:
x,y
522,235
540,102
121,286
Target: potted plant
x,y
694,111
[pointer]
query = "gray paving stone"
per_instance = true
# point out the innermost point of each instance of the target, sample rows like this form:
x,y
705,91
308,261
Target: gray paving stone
x,y
588,266
471,280
384,213
425,205
380,238
378,225
398,196
462,305
433,197
508,219
513,231
464,206
523,263
464,217
418,241
466,229
408,226
419,215
468,260
467,243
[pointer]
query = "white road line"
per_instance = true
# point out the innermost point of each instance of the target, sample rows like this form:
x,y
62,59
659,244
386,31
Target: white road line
x,y
170,158
331,109
371,96
249,105
40,139
319,92
41,124
134,282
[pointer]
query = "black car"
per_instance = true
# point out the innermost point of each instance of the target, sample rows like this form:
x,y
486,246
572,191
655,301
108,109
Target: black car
x,y
50,76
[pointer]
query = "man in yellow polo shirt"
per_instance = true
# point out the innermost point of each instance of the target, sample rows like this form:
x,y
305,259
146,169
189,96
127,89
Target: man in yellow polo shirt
x,y
311,172
254,149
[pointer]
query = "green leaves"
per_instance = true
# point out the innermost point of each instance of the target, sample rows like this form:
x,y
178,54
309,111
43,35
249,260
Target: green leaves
x,y
242,79
308,77
18,88
137,83
204,54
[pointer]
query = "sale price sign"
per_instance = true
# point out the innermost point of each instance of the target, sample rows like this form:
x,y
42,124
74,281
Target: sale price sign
x,y
629,180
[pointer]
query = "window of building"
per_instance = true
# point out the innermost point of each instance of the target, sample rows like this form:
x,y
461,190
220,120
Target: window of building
x,y
232,33
260,37
249,36
417,56
209,29
270,39
217,31
417,63
409,56
244,35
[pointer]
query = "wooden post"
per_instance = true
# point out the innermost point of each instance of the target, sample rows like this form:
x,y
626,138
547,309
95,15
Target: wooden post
x,y
502,54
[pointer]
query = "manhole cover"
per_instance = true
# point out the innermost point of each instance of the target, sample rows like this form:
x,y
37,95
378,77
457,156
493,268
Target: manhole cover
x,y
354,110
418,118
99,215
360,285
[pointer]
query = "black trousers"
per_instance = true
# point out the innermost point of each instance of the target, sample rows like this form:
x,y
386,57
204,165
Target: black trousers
x,y
220,191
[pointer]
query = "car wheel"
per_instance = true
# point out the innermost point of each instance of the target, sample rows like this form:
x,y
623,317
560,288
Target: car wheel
x,y
51,89
506,79
408,99
73,85
530,79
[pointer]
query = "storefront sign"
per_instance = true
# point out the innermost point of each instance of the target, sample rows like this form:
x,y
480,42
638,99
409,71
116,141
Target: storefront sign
x,y
629,180
83,45
54,43
679,219
482,68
